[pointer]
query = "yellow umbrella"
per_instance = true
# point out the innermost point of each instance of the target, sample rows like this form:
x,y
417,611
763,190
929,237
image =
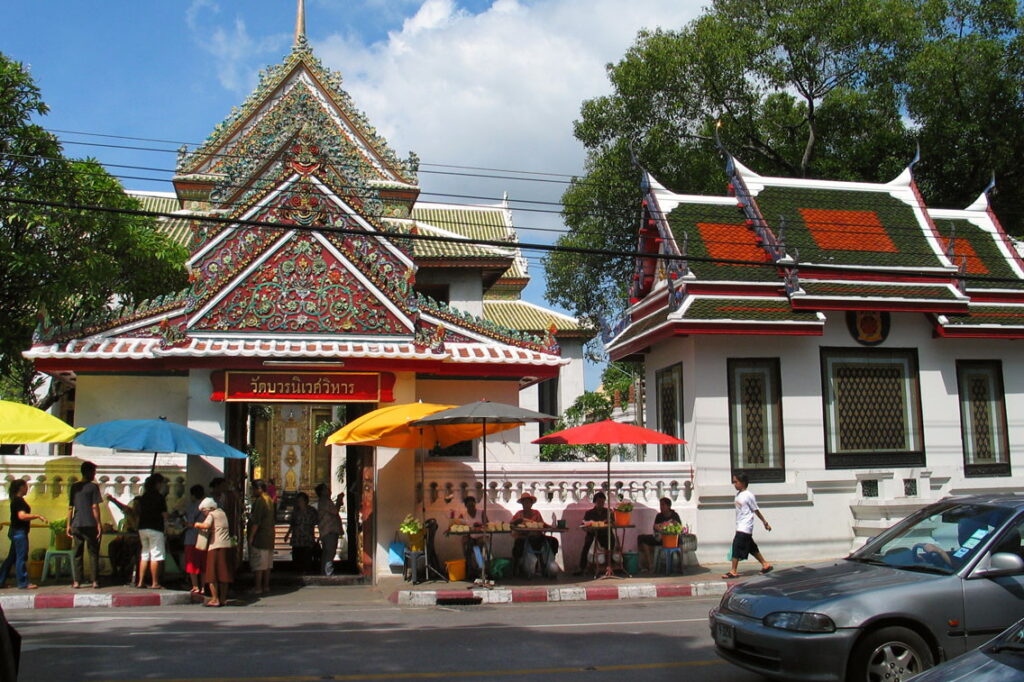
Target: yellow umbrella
x,y
20,424
390,427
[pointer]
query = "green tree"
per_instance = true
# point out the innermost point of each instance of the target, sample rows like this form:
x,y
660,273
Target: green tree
x,y
965,90
593,406
59,262
837,89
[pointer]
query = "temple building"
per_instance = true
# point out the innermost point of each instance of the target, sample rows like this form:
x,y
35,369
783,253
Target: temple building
x,y
321,288
849,348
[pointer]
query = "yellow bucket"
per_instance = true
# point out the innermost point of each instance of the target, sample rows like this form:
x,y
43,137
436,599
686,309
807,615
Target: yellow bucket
x,y
415,541
456,569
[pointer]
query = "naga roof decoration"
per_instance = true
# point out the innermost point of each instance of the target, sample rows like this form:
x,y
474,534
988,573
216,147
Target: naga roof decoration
x,y
776,252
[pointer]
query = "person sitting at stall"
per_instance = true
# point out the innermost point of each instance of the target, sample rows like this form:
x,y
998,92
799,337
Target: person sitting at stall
x,y
474,547
126,548
598,512
647,543
548,546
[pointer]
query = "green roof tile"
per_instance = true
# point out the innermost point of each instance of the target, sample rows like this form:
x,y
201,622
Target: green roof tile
x,y
1002,315
177,229
530,318
847,227
747,309
719,232
983,257
877,290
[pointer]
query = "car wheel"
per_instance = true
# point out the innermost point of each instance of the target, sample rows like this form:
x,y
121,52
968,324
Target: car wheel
x,y
889,654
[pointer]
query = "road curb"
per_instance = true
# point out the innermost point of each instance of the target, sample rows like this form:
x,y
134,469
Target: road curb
x,y
520,595
93,600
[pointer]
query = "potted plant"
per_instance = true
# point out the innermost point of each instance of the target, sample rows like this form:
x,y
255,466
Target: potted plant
x,y
670,534
35,563
623,513
59,528
412,528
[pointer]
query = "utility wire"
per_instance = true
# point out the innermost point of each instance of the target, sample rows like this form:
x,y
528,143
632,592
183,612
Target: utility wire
x,y
913,228
943,276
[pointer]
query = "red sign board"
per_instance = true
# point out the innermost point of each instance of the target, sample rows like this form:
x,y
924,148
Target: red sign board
x,y
292,387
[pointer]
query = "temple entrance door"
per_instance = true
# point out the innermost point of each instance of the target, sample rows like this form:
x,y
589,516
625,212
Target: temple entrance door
x,y
289,454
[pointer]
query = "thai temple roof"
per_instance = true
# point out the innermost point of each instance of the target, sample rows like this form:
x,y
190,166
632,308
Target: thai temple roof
x,y
332,272
780,255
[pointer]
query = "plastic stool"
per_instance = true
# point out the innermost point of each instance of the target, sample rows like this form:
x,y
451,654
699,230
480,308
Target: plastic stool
x,y
499,568
669,555
533,561
413,561
59,559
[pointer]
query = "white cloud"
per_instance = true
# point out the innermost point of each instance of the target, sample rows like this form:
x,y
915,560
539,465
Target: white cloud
x,y
233,49
499,88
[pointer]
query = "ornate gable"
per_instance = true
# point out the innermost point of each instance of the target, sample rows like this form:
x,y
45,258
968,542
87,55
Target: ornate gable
x,y
303,284
296,92
301,217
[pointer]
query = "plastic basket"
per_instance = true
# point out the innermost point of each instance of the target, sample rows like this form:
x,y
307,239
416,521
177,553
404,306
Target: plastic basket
x,y
456,570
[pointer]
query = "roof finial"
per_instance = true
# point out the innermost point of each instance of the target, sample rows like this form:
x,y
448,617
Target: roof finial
x,y
300,24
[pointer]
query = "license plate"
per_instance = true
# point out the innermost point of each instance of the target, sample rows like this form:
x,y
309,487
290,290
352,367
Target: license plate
x,y
725,635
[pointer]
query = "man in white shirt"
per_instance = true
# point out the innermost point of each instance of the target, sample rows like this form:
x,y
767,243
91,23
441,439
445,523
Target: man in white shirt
x,y
743,544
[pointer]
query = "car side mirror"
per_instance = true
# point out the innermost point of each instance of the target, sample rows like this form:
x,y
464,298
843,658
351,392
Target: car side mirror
x,y
1002,563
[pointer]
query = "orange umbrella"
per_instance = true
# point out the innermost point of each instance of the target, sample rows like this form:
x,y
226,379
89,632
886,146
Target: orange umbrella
x,y
390,427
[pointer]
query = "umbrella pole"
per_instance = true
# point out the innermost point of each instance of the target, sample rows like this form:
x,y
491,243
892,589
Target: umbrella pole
x,y
484,439
608,572
490,536
152,468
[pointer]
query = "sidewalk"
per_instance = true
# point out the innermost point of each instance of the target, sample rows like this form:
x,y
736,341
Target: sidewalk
x,y
701,581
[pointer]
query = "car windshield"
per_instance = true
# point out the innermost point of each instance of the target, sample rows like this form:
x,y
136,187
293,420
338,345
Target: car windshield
x,y
936,540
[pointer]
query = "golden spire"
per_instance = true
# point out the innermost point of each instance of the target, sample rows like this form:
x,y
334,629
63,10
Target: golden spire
x,y
300,23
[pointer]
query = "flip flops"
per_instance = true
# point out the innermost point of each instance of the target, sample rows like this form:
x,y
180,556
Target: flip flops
x,y
730,575
767,569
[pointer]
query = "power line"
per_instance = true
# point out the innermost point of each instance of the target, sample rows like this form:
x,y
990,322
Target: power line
x,y
945,277
912,228
199,144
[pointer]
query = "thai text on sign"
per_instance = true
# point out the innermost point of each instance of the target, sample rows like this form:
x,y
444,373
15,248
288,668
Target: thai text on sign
x,y
299,387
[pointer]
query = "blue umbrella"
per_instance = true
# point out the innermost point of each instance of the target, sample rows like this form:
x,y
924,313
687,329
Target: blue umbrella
x,y
156,436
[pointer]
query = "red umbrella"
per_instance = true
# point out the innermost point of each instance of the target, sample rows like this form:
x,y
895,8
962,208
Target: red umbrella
x,y
609,433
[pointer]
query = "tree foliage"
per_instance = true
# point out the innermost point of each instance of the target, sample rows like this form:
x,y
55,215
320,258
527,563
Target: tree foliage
x,y
60,262
839,89
593,406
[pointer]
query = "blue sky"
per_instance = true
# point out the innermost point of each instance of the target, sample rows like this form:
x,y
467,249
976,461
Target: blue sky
x,y
489,83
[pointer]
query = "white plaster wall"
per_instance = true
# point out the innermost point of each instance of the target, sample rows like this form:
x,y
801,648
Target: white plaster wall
x,y
396,483
208,417
465,291
819,513
571,379
101,398
505,447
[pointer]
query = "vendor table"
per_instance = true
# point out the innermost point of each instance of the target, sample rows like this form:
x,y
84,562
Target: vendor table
x,y
512,530
611,565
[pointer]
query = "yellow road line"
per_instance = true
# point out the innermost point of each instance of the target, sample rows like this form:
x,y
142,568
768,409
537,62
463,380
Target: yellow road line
x,y
459,673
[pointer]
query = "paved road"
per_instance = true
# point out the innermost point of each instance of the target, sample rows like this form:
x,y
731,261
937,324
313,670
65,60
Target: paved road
x,y
666,639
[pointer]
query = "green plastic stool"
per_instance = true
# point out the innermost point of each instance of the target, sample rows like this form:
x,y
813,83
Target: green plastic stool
x,y
631,562
499,568
58,561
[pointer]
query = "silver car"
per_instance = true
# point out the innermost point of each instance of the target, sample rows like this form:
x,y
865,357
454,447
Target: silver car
x,y
1001,660
939,583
